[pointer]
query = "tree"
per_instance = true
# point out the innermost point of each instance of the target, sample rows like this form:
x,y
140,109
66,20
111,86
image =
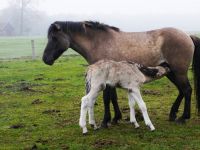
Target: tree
x,y
23,5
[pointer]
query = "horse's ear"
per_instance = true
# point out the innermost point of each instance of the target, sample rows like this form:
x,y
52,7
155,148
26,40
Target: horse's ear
x,y
56,27
87,24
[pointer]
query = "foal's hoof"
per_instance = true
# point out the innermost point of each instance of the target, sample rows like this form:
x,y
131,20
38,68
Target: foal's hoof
x,y
151,128
180,120
94,126
85,134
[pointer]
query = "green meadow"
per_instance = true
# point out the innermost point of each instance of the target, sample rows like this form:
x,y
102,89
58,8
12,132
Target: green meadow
x,y
18,47
40,107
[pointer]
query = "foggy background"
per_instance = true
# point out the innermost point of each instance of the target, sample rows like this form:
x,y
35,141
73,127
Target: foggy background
x,y
32,17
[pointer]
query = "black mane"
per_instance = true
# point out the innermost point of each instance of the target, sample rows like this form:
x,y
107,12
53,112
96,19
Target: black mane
x,y
70,26
100,26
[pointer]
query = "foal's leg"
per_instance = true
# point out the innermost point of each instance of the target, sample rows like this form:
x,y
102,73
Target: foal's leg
x,y
83,114
132,111
87,104
138,98
93,96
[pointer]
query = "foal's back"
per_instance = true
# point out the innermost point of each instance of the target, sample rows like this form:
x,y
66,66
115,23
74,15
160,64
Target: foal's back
x,y
114,73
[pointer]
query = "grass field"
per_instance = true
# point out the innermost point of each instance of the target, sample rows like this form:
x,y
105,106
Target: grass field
x,y
16,47
40,108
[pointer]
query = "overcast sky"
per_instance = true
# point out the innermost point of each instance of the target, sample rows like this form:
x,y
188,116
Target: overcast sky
x,y
138,14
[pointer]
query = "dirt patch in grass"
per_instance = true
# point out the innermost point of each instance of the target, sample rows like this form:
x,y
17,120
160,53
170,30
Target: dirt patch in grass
x,y
23,85
101,143
39,79
37,101
17,126
51,111
58,79
151,92
42,141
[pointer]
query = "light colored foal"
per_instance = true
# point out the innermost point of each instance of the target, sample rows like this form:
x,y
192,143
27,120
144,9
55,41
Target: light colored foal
x,y
127,75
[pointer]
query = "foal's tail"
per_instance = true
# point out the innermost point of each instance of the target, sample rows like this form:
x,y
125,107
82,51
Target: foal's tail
x,y
196,70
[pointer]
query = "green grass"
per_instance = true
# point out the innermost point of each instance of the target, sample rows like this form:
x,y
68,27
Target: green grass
x,y
16,47
40,107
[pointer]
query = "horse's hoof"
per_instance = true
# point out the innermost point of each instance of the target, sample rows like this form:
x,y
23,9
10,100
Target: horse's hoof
x,y
104,125
172,118
180,121
114,122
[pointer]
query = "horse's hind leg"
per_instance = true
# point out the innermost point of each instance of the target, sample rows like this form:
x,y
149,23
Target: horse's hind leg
x,y
176,104
118,115
182,83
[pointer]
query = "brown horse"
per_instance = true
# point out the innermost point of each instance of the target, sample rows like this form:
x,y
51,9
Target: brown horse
x,y
96,41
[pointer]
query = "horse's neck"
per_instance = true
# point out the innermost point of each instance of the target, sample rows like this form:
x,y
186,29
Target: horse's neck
x,y
87,45
81,45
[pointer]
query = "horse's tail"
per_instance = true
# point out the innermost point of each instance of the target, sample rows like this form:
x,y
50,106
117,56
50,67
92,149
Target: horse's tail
x,y
87,82
196,70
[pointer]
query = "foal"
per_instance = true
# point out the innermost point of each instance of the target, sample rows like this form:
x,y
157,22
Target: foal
x,y
127,75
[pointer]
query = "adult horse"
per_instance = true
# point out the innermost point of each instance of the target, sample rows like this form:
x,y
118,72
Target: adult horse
x,y
96,41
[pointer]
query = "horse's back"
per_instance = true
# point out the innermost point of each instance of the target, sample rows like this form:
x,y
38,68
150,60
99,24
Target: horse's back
x,y
154,47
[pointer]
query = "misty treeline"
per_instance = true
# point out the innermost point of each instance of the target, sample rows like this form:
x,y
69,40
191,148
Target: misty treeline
x,y
21,18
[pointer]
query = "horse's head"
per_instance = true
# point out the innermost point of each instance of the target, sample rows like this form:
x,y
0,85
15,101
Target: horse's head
x,y
58,42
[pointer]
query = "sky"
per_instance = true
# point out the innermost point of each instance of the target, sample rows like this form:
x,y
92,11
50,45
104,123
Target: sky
x,y
127,14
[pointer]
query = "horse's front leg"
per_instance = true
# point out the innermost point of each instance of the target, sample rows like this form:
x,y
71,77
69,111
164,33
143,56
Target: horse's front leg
x,y
118,115
106,100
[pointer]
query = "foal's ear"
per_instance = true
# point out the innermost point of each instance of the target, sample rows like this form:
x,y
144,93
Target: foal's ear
x,y
56,27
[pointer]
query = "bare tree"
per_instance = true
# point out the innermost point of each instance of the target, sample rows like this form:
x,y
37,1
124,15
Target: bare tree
x,y
23,5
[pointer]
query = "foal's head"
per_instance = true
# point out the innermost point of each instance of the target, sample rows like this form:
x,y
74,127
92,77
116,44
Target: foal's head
x,y
162,71
58,42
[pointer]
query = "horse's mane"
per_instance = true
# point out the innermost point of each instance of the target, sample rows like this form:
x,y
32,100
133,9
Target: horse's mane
x,y
70,26
100,26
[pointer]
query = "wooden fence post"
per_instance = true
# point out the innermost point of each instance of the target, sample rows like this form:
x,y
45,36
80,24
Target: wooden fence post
x,y
33,49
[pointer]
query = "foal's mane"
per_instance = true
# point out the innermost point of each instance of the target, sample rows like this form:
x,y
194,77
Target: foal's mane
x,y
81,27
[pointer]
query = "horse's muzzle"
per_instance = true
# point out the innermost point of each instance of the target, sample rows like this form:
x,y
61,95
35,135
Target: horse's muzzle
x,y
48,60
